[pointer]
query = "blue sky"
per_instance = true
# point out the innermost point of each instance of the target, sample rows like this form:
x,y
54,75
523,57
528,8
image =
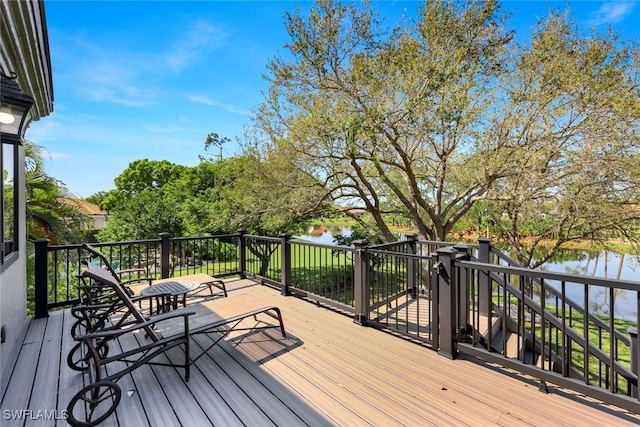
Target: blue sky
x,y
151,79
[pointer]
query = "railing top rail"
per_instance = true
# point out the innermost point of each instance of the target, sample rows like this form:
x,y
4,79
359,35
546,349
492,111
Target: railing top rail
x,y
208,237
422,257
391,244
444,244
566,277
102,245
303,242
264,238
501,255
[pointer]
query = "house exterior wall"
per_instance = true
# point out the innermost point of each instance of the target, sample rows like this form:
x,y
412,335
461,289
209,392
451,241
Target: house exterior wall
x,y
100,221
13,291
24,50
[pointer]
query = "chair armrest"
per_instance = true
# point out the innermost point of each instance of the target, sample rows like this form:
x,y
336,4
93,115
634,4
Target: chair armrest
x,y
116,332
130,270
137,279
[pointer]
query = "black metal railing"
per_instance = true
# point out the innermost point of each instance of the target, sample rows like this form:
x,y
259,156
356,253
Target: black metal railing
x,y
535,327
454,297
264,258
323,273
58,266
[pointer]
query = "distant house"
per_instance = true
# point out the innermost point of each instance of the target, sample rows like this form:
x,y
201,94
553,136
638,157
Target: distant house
x,y
100,217
25,61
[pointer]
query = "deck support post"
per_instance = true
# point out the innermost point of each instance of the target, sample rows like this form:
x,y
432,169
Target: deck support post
x,y
361,282
164,255
447,289
242,253
286,262
40,278
484,255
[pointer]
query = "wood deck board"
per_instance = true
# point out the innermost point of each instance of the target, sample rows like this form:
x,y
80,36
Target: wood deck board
x,y
328,371
127,412
70,381
262,394
48,366
376,378
18,392
381,401
255,359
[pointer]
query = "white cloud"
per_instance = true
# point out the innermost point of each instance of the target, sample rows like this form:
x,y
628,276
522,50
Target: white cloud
x,y
123,73
611,12
201,99
200,40
58,156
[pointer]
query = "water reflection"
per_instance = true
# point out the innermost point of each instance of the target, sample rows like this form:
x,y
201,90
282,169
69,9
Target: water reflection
x,y
322,234
602,265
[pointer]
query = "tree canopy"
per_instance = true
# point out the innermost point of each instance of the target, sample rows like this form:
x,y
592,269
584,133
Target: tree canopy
x,y
429,119
214,197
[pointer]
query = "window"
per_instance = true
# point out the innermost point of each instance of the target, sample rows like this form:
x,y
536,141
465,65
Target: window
x,y
9,200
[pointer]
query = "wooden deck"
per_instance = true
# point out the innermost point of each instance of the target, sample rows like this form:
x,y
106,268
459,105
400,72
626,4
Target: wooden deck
x,y
328,371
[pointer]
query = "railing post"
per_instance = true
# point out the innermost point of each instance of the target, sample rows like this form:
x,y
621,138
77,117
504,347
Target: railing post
x,y
360,282
164,255
41,278
484,255
411,265
435,300
447,284
633,333
286,262
242,253
464,251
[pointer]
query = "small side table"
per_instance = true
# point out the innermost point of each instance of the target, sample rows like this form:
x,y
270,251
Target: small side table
x,y
174,289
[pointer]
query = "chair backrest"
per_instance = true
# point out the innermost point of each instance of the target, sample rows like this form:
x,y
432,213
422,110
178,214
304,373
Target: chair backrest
x,y
95,253
104,277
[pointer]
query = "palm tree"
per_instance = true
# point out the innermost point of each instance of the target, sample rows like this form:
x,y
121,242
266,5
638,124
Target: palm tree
x,y
49,215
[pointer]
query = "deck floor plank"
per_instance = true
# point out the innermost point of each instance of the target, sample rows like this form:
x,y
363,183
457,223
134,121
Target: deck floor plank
x,y
227,378
255,361
258,392
47,373
171,389
19,389
328,371
127,412
70,381
154,403
422,381
363,376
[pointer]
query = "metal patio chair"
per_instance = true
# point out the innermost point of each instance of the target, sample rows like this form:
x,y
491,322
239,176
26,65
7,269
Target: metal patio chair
x,y
215,319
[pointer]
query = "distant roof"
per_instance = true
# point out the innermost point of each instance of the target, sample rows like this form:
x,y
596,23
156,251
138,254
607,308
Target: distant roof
x,y
86,207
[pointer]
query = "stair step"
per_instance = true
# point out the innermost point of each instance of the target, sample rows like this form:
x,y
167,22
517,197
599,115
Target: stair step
x,y
483,325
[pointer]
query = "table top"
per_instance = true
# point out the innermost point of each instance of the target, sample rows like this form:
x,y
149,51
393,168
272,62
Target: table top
x,y
174,287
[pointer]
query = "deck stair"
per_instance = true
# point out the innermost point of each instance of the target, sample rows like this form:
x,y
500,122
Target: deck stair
x,y
517,336
507,342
